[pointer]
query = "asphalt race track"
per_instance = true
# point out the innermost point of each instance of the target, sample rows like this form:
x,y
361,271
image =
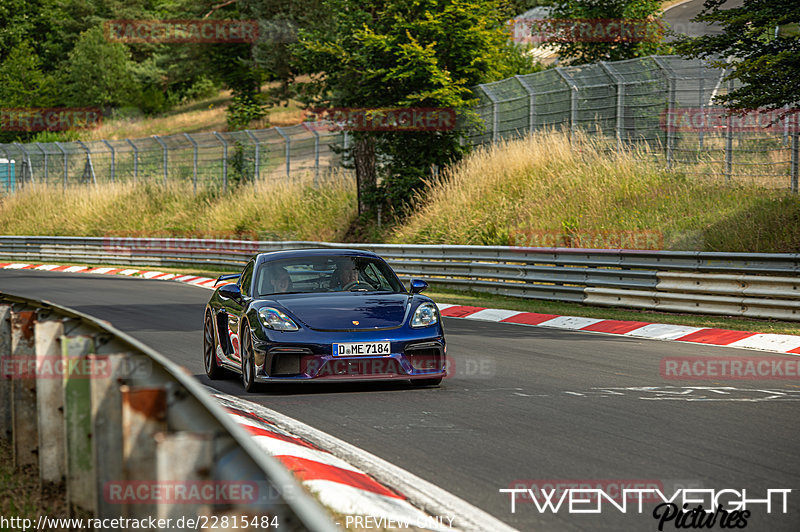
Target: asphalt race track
x,y
679,18
525,404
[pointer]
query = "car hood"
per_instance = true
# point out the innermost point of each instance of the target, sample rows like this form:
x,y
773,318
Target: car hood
x,y
348,311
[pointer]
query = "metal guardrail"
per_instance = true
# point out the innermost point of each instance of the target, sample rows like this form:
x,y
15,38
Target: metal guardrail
x,y
616,277
123,429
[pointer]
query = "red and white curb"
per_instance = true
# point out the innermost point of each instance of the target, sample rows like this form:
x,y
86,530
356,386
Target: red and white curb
x,y
202,282
778,343
340,482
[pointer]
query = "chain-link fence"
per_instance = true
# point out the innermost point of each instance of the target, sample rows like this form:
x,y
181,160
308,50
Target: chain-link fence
x,y
203,159
666,102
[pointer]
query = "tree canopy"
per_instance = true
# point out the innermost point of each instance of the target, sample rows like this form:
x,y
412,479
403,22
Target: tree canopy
x,y
765,60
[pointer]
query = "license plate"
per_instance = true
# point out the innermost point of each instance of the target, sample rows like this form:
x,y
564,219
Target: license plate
x,y
361,349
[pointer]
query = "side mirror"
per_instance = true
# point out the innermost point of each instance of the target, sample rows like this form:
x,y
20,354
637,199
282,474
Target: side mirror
x,y
231,291
418,285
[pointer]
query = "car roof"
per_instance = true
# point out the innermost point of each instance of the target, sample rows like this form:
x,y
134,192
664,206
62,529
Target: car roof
x,y
313,252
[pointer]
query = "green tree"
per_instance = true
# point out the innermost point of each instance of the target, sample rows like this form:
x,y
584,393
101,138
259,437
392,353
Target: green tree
x,y
22,81
765,61
99,72
579,52
394,53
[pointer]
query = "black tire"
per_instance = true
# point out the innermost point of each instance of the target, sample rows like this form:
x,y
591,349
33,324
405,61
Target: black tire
x,y
213,369
426,382
248,362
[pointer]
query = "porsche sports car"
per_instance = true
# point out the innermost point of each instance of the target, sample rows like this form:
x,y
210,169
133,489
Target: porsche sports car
x,y
322,314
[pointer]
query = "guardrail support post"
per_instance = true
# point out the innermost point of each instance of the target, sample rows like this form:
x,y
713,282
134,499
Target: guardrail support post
x,y
78,372
107,428
50,402
194,162
144,414
5,384
184,457
164,149
23,389
224,162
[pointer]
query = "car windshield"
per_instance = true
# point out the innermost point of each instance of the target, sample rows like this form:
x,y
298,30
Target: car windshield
x,y
316,274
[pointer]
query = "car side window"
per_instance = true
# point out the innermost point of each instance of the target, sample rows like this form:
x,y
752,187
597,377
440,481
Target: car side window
x,y
245,279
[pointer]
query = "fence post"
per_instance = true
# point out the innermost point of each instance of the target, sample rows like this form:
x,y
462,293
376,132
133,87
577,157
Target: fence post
x,y
113,159
495,112
671,90
26,162
164,148
620,86
257,168
573,101
135,159
88,164
316,151
194,162
702,102
729,140
795,156
288,149
58,145
531,103
44,154
224,162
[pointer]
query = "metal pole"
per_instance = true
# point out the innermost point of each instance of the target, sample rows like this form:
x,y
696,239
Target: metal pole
x,y
44,153
88,160
671,90
113,159
573,114
702,99
135,159
495,112
224,162
729,140
257,168
795,157
316,151
26,161
194,162
620,86
531,104
164,148
288,150
65,163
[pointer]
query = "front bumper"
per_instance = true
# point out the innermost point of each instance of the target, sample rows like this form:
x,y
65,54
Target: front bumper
x,y
415,354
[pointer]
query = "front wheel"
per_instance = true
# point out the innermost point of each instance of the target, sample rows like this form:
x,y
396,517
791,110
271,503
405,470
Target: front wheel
x,y
426,382
213,369
248,362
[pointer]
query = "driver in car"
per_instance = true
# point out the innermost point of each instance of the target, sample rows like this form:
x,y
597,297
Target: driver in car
x,y
345,277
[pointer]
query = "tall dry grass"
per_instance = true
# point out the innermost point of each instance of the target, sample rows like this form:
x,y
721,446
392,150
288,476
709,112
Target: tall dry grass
x,y
525,192
284,211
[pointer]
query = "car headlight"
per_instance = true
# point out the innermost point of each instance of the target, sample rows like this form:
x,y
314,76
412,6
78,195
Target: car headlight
x,y
425,315
276,320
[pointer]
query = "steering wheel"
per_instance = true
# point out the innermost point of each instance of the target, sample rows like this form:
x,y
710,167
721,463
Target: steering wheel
x,y
353,284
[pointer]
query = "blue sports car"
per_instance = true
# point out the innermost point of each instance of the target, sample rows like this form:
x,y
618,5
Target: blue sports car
x,y
322,314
